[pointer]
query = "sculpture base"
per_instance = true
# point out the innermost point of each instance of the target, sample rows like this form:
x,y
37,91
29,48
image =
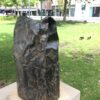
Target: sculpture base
x,y
66,92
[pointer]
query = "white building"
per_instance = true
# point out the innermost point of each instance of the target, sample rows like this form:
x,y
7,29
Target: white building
x,y
88,8
49,5
76,9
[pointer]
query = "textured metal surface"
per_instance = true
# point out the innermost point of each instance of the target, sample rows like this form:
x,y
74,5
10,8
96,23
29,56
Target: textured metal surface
x,y
36,57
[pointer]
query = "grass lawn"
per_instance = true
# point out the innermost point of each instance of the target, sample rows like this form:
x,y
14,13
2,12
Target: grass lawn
x,y
79,59
7,66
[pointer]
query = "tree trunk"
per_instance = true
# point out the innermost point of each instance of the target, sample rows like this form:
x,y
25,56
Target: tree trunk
x,y
65,10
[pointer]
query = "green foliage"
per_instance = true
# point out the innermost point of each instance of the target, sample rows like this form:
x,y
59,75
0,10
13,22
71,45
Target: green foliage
x,y
1,2
16,2
7,2
61,4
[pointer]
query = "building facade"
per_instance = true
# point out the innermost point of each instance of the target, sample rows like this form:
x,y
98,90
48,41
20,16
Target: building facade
x,y
85,8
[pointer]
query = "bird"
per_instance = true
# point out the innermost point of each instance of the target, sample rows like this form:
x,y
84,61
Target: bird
x,y
88,38
81,38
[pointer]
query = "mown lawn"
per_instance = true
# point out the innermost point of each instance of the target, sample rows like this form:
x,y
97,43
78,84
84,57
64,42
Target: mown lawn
x,y
79,59
7,66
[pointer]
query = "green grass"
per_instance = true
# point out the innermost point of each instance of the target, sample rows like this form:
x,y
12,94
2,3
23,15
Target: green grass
x,y
7,18
7,66
79,59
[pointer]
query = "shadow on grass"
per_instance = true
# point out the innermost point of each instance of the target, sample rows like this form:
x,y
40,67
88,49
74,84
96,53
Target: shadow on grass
x,y
7,18
11,23
61,23
80,74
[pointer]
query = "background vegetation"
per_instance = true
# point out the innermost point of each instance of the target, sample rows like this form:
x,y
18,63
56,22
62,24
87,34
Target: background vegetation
x,y
16,2
79,59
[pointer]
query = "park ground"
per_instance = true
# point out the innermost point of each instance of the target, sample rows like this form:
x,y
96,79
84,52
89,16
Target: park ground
x,y
79,56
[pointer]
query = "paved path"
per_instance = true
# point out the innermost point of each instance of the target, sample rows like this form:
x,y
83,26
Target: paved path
x,y
80,19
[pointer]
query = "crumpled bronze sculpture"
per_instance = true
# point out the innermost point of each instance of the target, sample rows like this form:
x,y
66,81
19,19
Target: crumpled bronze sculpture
x,y
36,57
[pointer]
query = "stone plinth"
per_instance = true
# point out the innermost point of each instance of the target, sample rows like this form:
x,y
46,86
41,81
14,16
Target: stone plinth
x,y
66,92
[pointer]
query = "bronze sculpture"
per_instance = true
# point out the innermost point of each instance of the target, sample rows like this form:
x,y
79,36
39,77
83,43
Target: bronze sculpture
x,y
36,57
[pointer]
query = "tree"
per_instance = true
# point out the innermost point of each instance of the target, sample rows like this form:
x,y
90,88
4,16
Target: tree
x,y
26,2
16,2
9,2
6,2
64,4
0,2
61,4
65,10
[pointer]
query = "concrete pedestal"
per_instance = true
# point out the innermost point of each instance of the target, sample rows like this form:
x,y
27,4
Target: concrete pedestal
x,y
66,92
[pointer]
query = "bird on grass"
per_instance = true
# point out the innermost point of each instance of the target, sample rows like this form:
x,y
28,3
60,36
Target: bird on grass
x,y
88,38
81,38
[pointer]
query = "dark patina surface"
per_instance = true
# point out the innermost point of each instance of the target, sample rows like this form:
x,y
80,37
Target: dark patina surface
x,y
36,57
